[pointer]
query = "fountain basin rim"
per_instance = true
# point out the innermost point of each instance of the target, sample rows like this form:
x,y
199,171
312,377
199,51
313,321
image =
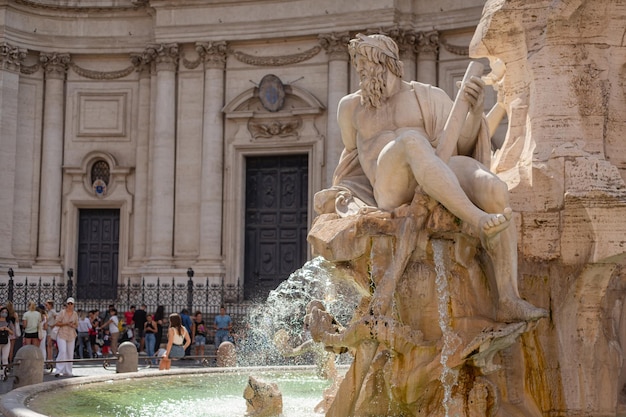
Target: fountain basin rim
x,y
13,403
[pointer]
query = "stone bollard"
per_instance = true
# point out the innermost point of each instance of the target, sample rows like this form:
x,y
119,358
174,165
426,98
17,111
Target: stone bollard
x,y
128,358
28,368
226,355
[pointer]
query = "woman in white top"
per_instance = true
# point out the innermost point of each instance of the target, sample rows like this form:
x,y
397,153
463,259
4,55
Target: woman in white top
x,y
31,320
178,340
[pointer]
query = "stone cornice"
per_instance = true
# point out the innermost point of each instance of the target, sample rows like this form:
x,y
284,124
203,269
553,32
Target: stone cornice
x,y
55,64
277,60
336,45
39,4
11,57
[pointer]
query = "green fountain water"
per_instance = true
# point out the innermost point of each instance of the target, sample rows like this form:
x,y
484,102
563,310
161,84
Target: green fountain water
x,y
197,395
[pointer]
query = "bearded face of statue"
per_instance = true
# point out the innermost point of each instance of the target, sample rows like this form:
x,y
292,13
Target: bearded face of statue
x,y
373,82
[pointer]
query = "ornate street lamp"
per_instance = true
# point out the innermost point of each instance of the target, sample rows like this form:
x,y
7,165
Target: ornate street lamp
x,y
10,292
70,283
190,289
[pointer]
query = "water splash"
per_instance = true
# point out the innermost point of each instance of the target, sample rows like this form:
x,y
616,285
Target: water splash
x,y
285,308
451,341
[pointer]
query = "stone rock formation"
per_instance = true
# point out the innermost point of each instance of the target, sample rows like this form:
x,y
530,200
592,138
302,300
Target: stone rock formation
x,y
263,399
563,160
401,356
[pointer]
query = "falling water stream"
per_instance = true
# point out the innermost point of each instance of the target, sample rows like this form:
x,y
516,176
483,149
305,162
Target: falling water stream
x,y
285,308
175,396
449,377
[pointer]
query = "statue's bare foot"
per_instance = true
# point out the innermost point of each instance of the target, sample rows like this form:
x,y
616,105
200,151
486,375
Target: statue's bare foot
x,y
492,224
515,309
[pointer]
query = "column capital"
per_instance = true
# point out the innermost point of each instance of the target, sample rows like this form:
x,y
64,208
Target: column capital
x,y
336,45
11,57
213,54
55,64
427,42
143,61
165,56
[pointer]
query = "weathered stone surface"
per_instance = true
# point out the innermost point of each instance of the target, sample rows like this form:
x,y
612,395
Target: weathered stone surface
x,y
226,354
564,93
541,235
263,399
411,370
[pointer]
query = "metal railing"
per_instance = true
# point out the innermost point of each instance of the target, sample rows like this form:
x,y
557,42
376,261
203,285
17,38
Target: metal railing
x,y
173,294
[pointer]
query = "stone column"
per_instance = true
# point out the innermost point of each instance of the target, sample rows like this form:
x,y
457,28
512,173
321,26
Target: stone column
x,y
427,49
406,40
55,67
163,159
336,46
213,55
143,64
11,58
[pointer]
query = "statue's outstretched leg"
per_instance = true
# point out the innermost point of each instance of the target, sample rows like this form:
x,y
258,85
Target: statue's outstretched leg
x,y
498,236
410,160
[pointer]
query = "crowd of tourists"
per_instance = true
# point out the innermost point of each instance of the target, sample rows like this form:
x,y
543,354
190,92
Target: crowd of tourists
x,y
70,334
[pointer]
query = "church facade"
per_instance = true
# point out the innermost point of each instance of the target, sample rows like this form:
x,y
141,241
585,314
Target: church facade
x,y
141,138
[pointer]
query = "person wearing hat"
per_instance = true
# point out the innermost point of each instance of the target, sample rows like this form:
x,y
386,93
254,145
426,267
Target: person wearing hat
x,y
67,322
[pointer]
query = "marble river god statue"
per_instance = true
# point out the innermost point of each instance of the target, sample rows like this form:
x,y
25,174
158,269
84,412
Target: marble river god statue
x,y
413,173
427,230
428,221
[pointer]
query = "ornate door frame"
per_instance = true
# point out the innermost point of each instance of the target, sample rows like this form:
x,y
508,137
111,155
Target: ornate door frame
x,y
251,130
79,192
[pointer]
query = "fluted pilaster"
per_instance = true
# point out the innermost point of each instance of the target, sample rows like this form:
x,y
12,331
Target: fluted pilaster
x,y
336,46
143,65
11,58
213,55
163,156
55,68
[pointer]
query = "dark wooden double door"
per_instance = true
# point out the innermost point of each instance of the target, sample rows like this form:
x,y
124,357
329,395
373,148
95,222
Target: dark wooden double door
x,y
275,221
275,231
98,253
